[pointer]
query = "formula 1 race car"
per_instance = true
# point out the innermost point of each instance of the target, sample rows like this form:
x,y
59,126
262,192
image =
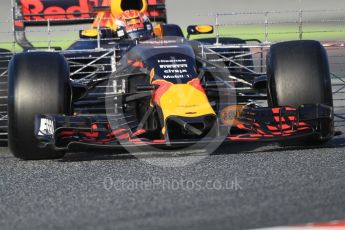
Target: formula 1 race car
x,y
135,84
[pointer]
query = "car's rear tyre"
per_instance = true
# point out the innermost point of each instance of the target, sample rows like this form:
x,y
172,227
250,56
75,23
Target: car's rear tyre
x,y
38,84
5,57
298,73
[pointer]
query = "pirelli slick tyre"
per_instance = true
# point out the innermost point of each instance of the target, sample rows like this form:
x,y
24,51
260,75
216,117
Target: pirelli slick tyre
x,y
298,73
5,57
38,84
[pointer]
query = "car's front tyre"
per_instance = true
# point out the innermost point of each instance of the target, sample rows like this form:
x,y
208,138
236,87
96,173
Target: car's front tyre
x,y
38,84
298,74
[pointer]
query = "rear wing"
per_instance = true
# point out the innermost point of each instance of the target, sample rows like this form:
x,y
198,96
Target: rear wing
x,y
67,12
57,12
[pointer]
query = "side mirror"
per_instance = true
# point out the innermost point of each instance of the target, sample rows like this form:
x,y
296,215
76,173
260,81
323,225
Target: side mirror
x,y
167,30
93,33
89,33
199,29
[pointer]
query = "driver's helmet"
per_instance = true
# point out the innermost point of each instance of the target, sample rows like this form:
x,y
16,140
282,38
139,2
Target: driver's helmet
x,y
134,25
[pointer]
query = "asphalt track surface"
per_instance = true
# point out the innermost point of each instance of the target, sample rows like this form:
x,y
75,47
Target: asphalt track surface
x,y
238,187
268,186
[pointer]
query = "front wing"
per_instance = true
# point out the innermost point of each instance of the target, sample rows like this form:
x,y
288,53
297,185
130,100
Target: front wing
x,y
252,125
